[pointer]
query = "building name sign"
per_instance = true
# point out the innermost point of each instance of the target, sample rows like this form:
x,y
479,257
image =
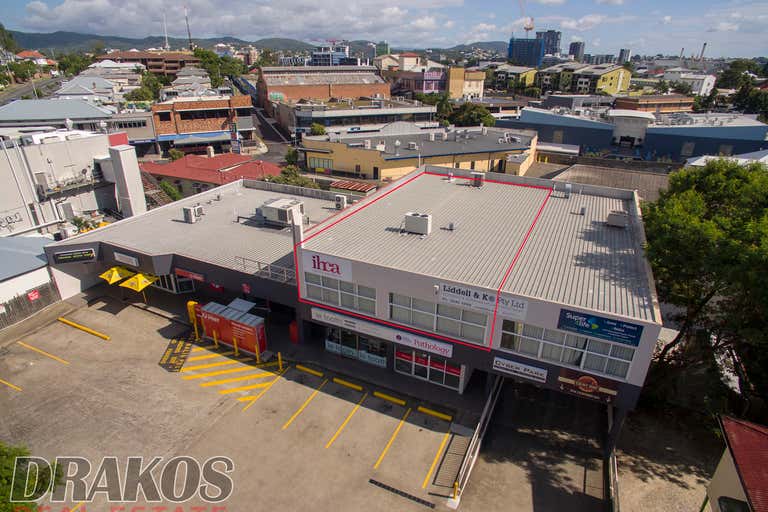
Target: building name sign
x,y
600,327
125,258
520,370
474,298
385,333
74,256
326,265
189,274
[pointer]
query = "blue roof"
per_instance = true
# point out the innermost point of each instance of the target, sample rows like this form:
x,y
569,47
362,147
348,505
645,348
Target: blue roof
x,y
22,254
43,110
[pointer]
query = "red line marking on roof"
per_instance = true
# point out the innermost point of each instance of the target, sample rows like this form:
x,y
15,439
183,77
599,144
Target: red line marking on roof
x,y
540,187
514,260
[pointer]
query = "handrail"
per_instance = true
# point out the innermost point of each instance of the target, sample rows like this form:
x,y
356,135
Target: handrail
x,y
474,445
266,270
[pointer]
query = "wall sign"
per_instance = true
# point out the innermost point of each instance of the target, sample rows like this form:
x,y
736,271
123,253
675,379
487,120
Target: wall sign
x,y
33,295
385,333
189,274
246,288
127,259
476,298
520,370
78,255
600,327
326,265
587,386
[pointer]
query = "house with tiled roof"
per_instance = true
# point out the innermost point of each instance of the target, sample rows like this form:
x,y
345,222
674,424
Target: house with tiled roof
x,y
193,174
740,482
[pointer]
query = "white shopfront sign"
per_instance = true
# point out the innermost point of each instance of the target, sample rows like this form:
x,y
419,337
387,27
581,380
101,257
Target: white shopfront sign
x,y
520,370
124,258
385,333
326,265
483,300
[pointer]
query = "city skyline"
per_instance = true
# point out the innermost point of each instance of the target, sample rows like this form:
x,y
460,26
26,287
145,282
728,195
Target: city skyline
x,y
605,26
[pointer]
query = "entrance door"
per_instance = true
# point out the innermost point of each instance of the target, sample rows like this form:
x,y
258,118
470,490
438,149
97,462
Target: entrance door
x,y
430,367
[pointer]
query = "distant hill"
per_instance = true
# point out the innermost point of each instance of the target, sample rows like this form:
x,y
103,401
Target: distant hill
x,y
494,46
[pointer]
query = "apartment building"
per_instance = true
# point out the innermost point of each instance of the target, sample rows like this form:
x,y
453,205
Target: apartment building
x,y
606,78
662,103
510,77
160,63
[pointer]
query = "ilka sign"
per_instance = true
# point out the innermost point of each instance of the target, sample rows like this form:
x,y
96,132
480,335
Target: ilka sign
x,y
326,265
474,298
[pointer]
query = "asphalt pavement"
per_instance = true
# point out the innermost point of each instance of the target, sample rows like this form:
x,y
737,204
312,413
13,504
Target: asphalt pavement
x,y
43,87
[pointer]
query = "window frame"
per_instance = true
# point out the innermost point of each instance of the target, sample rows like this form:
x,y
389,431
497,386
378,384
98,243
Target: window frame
x,y
328,286
432,309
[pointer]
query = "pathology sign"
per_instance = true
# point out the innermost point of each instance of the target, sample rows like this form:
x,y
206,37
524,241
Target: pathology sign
x,y
326,265
475,298
384,333
600,327
79,255
525,371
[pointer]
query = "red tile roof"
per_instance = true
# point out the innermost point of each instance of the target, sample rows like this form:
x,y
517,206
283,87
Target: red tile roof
x,y
748,443
30,54
219,170
410,54
353,185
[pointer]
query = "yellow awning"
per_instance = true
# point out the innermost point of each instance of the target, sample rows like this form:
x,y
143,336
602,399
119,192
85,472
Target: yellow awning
x,y
116,274
139,282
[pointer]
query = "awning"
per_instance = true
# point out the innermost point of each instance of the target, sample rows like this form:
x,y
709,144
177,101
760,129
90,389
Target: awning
x,y
196,139
139,282
178,138
116,274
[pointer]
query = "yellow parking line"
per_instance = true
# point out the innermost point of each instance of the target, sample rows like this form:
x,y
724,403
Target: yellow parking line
x,y
12,386
437,457
304,405
43,352
248,398
244,388
218,372
389,398
235,379
349,417
210,365
210,356
346,383
200,349
392,439
264,390
309,370
435,414
77,507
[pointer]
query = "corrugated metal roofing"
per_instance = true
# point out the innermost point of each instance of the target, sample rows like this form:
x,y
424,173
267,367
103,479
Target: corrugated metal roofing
x,y
748,443
21,254
32,110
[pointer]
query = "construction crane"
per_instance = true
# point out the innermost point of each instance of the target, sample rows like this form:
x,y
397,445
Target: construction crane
x,y
189,32
527,20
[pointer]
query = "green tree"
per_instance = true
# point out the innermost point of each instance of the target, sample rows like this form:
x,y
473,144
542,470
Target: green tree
x,y
218,67
290,175
662,87
23,70
150,88
7,41
267,58
751,100
317,129
292,156
74,63
174,154
533,92
470,114
169,189
629,66
8,455
736,75
705,103
682,88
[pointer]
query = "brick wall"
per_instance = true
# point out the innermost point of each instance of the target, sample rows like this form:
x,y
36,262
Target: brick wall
x,y
321,92
177,125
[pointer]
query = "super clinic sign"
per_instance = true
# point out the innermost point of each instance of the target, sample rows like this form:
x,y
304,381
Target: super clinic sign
x,y
326,265
483,300
385,333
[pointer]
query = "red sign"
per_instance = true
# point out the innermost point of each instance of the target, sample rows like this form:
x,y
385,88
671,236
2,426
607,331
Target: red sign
x,y
216,287
588,386
33,295
188,274
325,266
246,288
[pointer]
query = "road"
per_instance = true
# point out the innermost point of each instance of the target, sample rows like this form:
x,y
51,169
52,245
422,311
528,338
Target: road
x,y
276,142
14,93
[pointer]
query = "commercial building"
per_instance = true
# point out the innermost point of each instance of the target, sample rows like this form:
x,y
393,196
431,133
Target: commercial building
x,y
740,480
125,75
399,148
755,157
701,83
49,178
139,126
551,41
577,102
192,123
456,82
64,113
508,77
193,174
406,61
160,63
624,55
359,114
93,89
576,49
656,103
277,84
525,52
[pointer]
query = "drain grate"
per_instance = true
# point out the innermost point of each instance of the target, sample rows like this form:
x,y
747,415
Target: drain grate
x,y
402,493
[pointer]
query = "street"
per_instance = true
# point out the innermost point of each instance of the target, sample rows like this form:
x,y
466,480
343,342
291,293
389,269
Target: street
x,y
44,87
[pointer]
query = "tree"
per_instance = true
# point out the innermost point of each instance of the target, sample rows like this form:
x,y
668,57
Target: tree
x,y
150,88
267,58
629,66
8,455
292,156
7,41
470,114
218,67
533,92
751,100
169,189
317,129
290,175
662,87
74,63
736,75
174,154
682,88
23,70
140,94
705,103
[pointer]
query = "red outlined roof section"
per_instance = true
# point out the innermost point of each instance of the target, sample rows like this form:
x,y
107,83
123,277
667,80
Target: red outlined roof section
x,y
216,170
748,443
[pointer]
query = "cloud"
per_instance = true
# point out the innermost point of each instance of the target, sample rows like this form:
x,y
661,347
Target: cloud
x,y
666,20
550,2
584,23
424,23
577,39
449,24
610,2
480,32
724,26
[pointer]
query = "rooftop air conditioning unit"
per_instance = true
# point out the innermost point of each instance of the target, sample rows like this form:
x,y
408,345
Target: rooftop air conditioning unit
x,y
341,201
276,211
198,211
189,215
418,223
618,219
432,136
477,179
412,145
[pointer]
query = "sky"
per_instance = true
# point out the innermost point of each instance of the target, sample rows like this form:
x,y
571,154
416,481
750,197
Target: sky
x,y
735,28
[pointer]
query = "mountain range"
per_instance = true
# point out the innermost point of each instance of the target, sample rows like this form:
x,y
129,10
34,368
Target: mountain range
x,y
74,41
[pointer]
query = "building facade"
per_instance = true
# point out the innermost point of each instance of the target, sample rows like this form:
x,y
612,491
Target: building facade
x,y
160,63
661,103
625,54
508,77
551,41
576,49
525,52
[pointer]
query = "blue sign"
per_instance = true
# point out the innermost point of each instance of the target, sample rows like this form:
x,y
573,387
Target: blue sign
x,y
600,327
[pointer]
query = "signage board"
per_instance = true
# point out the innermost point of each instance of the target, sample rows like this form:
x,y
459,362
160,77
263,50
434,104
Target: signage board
x,y
475,298
33,295
326,265
384,333
600,327
189,274
525,371
587,386
75,256
246,288
127,259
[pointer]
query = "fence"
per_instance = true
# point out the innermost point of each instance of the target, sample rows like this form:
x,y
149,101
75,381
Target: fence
x,y
266,270
30,302
290,189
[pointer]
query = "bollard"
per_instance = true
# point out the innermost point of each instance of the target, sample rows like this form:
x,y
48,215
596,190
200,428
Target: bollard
x,y
194,324
234,342
455,490
280,361
258,352
215,339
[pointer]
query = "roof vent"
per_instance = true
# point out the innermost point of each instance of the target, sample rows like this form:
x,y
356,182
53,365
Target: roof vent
x,y
367,143
618,219
477,179
418,223
432,136
413,145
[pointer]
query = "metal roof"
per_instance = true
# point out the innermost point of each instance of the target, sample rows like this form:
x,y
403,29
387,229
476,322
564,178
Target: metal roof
x,y
40,110
647,183
21,254
564,257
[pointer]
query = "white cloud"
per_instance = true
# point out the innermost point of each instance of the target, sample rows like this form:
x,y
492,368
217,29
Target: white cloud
x,y
424,23
724,26
596,42
550,2
666,20
480,32
610,2
577,39
584,23
449,24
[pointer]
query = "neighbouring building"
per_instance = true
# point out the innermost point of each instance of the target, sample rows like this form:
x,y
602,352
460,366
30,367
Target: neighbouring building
x,y
606,78
138,125
525,52
36,57
397,149
407,61
125,75
577,102
625,54
333,55
576,49
278,84
551,41
558,77
510,77
61,113
359,114
457,82
701,83
755,157
160,63
192,123
740,479
656,103
93,89
193,174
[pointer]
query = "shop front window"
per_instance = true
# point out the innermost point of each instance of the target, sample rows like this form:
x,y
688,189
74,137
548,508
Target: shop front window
x,y
341,293
429,367
441,318
357,346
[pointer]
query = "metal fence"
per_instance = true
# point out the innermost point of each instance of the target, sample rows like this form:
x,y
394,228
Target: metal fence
x,y
28,303
290,189
266,270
